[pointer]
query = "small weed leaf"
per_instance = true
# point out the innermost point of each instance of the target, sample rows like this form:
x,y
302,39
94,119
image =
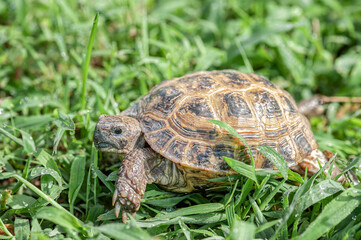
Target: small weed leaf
x,y
22,228
113,176
28,142
293,176
6,175
20,201
47,160
40,171
77,173
64,121
58,136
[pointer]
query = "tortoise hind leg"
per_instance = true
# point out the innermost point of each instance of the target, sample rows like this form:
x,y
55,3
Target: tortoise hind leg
x,y
312,165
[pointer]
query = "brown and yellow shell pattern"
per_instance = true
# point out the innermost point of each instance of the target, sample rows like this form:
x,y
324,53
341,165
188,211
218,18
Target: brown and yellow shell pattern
x,y
174,120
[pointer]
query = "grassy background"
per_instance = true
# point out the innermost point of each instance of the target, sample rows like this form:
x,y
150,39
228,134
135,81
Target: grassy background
x,y
306,47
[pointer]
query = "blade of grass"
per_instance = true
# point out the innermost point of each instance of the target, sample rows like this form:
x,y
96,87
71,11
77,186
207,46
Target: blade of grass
x,y
246,188
94,160
87,61
123,232
103,177
44,196
242,168
88,187
200,219
196,209
334,212
275,158
234,133
271,195
11,136
185,230
60,217
318,192
5,229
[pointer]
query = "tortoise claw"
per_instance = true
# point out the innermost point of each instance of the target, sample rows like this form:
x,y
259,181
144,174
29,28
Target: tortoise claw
x,y
125,198
124,216
117,208
115,196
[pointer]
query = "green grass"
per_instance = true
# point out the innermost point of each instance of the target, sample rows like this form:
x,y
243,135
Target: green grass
x,y
52,92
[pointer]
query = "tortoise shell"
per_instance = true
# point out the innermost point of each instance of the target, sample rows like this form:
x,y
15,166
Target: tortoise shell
x,y
174,114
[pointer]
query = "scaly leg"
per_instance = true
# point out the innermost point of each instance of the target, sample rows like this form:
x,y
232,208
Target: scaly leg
x,y
132,181
311,163
141,167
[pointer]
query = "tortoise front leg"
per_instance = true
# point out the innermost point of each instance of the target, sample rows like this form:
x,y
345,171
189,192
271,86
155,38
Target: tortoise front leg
x,y
132,181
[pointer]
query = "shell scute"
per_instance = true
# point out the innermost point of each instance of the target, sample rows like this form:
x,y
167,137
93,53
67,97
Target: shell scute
x,y
198,107
177,149
198,82
261,79
201,155
159,138
151,124
236,105
222,150
163,100
232,78
287,151
302,144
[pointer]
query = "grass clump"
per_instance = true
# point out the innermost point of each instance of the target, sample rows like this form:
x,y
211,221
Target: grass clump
x,y
52,183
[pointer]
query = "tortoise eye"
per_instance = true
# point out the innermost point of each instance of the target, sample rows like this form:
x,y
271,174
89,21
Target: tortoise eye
x,y
118,131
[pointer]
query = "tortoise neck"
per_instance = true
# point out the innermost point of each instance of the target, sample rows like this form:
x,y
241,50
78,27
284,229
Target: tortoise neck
x,y
141,143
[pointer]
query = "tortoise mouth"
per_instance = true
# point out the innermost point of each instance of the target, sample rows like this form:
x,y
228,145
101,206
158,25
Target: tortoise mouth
x,y
107,147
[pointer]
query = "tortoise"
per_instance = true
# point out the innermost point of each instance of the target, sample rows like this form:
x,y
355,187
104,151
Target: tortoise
x,y
166,139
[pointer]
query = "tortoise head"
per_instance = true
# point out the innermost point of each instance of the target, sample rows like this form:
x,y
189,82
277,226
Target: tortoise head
x,y
117,134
